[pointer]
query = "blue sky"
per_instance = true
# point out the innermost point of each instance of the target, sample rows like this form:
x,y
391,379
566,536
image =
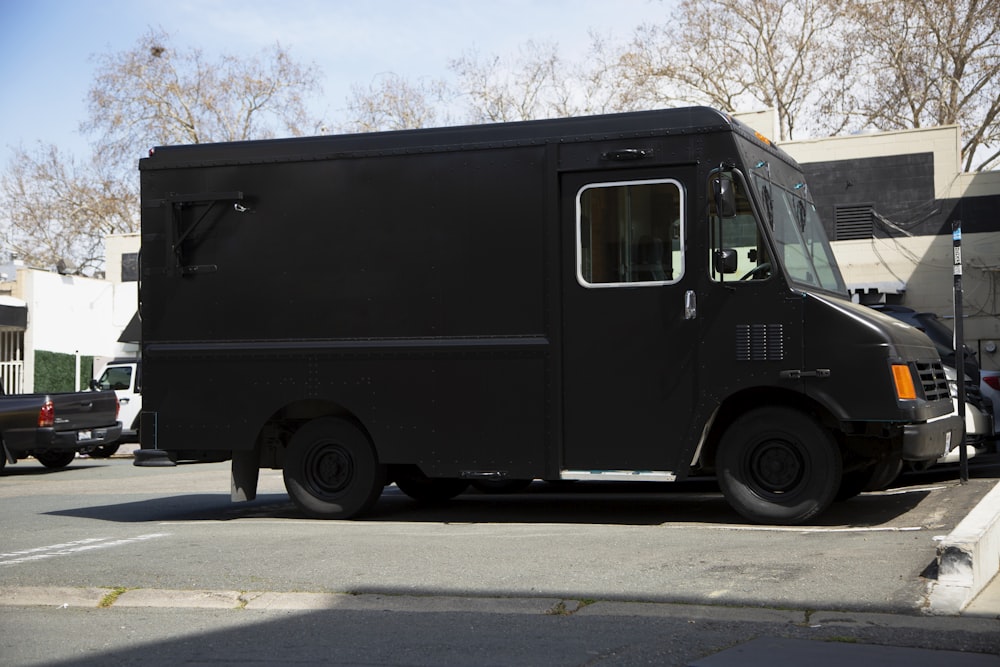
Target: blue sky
x,y
46,46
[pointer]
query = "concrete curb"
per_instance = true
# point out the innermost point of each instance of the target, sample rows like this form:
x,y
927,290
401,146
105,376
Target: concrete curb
x,y
968,557
238,601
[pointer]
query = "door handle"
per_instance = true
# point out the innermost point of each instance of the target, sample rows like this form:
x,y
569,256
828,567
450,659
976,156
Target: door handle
x,y
690,305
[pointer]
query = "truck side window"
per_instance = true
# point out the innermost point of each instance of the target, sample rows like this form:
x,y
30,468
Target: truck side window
x,y
630,233
116,378
741,236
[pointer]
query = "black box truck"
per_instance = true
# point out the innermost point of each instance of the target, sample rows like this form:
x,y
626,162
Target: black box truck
x,y
641,296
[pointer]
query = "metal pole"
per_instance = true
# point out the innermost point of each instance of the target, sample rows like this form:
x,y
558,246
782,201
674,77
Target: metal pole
x,y
956,237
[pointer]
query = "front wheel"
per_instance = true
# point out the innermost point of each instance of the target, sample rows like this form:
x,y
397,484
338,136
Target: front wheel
x,y
778,466
331,470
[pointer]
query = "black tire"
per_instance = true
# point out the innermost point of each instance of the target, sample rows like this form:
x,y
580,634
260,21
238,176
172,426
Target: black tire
x,y
331,470
54,460
853,483
884,473
418,486
778,466
103,451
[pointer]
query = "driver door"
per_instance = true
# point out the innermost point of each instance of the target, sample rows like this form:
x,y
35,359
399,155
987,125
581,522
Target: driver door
x,y
629,353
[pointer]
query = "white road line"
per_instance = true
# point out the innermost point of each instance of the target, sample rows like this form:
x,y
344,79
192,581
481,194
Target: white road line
x,y
67,548
857,529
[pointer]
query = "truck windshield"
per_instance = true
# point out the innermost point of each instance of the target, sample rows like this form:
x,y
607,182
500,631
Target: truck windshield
x,y
801,240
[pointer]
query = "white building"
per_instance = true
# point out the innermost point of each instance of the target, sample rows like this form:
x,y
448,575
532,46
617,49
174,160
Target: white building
x,y
44,311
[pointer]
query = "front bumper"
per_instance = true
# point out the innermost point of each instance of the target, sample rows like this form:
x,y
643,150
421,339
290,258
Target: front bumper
x,y
930,440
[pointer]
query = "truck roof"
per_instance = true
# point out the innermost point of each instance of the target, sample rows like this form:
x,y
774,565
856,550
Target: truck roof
x,y
689,120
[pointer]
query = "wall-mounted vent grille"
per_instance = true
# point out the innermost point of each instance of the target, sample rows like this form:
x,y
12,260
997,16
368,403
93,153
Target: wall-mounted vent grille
x,y
760,342
854,222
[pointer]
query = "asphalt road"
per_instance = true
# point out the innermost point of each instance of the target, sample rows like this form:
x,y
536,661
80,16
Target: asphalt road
x,y
561,574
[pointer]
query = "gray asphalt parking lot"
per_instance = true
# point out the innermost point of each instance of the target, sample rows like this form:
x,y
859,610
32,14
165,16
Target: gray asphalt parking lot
x,y
615,570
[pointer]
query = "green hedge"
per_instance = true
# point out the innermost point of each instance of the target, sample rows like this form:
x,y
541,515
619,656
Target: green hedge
x,y
54,371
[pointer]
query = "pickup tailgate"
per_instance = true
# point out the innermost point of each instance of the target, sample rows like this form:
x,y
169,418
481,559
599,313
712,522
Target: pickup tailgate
x,y
89,409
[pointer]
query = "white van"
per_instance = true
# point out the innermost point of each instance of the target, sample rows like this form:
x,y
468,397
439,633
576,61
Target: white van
x,y
125,377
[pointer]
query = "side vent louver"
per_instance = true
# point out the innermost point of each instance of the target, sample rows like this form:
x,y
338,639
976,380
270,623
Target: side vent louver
x,y
760,342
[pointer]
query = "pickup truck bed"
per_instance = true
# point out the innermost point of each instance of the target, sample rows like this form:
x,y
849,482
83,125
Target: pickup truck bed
x,y
54,427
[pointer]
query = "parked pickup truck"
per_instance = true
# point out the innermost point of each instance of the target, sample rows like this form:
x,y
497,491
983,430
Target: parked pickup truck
x,y
54,427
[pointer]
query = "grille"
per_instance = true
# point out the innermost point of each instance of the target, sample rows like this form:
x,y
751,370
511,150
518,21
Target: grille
x,y
760,342
933,380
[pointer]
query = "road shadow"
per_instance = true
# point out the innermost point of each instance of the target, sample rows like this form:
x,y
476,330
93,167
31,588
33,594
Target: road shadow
x,y
695,502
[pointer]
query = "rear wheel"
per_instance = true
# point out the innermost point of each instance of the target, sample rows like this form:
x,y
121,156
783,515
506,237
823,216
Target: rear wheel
x,y
331,470
55,459
778,466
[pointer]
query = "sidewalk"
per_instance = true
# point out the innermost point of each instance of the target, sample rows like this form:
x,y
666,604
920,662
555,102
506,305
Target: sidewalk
x,y
987,603
968,563
711,636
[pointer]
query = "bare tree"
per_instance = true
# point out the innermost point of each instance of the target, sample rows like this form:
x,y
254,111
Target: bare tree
x,y
519,88
536,82
154,94
390,102
734,54
932,63
603,81
60,209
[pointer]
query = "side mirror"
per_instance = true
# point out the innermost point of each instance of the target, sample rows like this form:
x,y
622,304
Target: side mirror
x,y
95,385
725,197
725,261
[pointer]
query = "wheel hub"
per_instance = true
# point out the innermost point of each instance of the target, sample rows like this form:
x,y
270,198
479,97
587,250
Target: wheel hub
x,y
776,467
330,469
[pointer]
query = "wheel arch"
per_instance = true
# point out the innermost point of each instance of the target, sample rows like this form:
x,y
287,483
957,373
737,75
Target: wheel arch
x,y
279,428
273,437
744,401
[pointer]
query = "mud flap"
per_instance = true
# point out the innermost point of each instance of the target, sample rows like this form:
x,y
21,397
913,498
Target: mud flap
x,y
245,473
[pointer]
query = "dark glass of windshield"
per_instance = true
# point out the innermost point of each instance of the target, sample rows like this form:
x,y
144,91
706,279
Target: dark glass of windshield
x,y
801,240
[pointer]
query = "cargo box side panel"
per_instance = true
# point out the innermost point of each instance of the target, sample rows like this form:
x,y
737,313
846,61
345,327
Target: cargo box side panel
x,y
438,244
450,411
409,290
